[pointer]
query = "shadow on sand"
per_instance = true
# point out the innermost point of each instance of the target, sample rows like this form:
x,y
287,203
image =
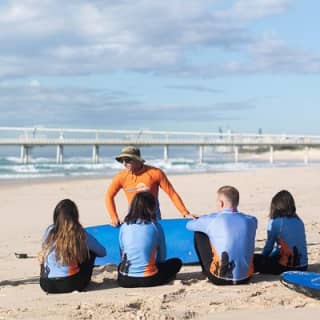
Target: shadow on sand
x,y
20,281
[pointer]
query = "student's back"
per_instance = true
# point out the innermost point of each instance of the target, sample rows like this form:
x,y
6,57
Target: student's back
x,y
232,237
142,244
224,241
285,248
288,233
142,247
68,252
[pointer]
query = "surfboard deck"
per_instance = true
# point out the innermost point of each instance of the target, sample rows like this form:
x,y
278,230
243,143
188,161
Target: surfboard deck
x,y
178,240
302,281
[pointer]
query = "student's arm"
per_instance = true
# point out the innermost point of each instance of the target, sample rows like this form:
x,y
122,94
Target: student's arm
x,y
41,254
254,221
46,233
161,256
120,239
95,246
271,238
109,200
200,224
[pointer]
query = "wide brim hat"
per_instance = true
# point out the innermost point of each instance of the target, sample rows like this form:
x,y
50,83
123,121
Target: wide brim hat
x,y
130,152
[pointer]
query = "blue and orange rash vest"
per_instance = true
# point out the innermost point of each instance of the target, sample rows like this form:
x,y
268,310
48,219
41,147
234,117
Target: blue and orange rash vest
x,y
142,246
149,177
232,238
287,238
53,269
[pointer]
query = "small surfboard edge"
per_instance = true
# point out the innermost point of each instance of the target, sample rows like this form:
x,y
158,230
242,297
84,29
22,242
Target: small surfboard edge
x,y
305,282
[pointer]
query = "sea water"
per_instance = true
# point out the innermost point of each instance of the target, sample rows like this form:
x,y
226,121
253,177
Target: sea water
x,y
77,162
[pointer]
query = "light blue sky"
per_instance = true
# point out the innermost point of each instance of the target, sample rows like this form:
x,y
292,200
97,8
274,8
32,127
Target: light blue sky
x,y
194,65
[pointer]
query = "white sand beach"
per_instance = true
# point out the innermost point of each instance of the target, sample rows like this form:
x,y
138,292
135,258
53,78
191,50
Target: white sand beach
x,y
26,210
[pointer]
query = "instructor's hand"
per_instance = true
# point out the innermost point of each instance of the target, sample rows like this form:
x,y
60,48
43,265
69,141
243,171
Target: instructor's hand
x,y
115,223
190,216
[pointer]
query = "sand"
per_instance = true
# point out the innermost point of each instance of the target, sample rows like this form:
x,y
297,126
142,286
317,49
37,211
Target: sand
x,y
26,210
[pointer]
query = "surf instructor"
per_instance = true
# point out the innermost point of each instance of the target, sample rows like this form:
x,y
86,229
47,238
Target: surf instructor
x,y
137,177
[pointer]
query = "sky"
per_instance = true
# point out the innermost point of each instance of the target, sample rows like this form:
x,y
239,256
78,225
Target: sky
x,y
179,65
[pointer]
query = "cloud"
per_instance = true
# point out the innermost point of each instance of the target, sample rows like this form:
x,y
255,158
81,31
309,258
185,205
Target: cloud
x,y
196,88
29,104
76,107
34,83
63,38
271,55
248,10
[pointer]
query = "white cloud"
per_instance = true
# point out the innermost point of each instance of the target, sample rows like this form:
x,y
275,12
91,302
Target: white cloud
x,y
270,54
64,38
196,88
255,9
34,83
71,107
57,37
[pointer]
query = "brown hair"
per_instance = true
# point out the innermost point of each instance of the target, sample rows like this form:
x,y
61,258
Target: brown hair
x,y
142,208
67,235
231,193
282,205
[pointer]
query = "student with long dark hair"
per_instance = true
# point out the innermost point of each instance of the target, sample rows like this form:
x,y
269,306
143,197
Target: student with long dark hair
x,y
68,252
142,247
285,248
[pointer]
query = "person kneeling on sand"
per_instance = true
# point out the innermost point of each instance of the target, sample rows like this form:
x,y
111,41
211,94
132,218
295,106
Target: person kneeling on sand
x,y
68,252
142,247
286,247
137,177
225,241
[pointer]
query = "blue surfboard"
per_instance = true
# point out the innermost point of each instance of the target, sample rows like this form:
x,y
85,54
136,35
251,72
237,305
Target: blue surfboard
x,y
303,282
178,240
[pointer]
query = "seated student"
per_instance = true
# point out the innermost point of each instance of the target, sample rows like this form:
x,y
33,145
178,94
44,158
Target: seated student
x,y
224,241
285,248
142,247
68,252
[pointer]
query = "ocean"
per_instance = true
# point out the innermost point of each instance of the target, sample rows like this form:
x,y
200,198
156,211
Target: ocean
x,y
78,162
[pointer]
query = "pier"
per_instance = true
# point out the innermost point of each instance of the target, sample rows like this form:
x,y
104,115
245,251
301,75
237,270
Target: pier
x,y
29,138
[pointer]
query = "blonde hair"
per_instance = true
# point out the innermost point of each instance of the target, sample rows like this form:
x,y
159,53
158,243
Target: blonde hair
x,y
231,193
67,235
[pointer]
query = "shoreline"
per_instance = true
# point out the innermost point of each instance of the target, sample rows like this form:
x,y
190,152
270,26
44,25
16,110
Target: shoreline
x,y
246,161
106,176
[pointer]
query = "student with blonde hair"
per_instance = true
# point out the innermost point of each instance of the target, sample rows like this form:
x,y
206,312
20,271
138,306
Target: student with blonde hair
x,y
68,252
224,240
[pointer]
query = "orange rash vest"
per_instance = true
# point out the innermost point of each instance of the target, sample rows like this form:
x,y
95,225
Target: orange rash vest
x,y
148,176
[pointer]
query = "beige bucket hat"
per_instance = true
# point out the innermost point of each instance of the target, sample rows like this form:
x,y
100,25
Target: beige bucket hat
x,y
130,152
